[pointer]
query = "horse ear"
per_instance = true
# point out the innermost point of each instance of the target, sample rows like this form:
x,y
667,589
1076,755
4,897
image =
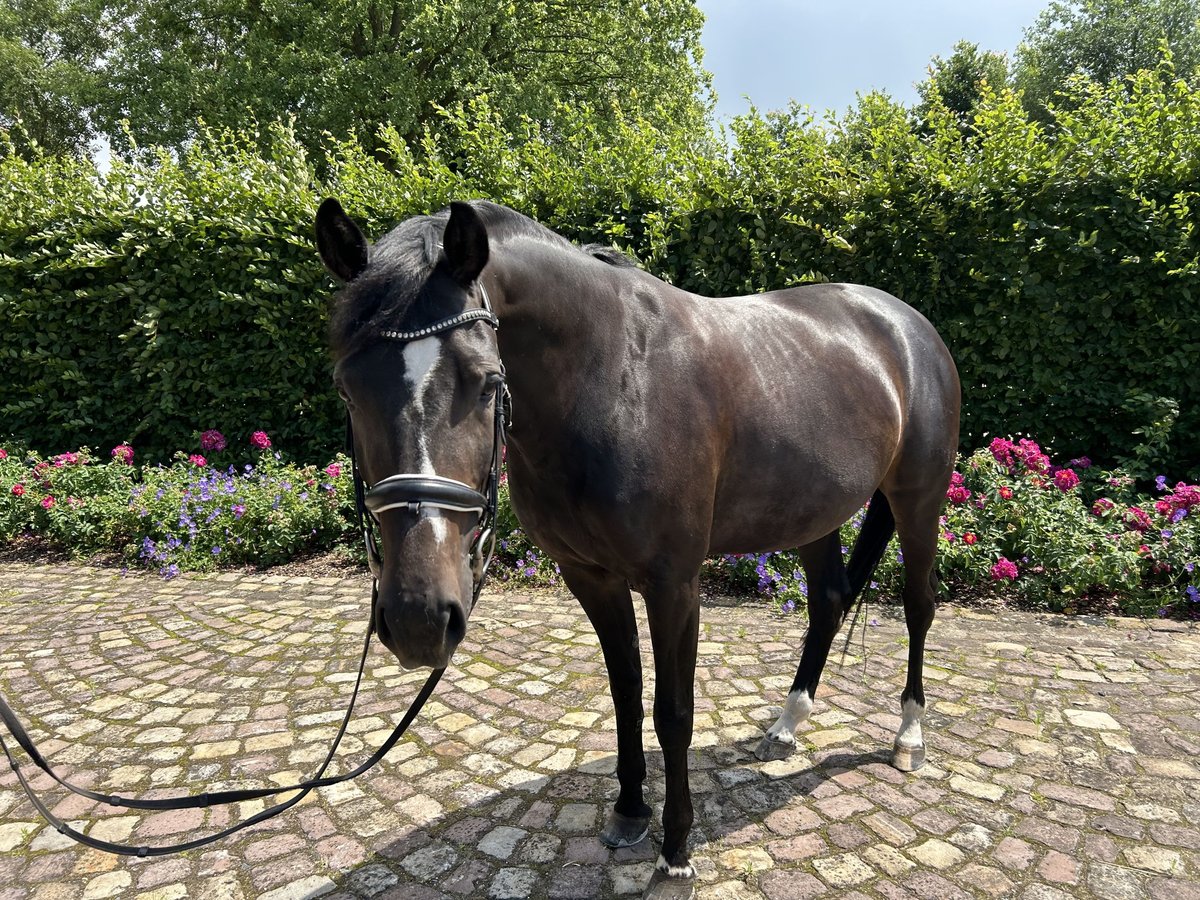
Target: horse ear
x,y
465,243
342,246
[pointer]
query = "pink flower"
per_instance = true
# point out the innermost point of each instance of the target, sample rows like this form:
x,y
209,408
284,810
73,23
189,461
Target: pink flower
x,y
1162,507
123,453
969,539
197,460
958,494
333,470
47,502
238,510
1031,455
212,440
1002,452
1006,493
1101,506
1185,496
1004,570
1136,519
950,536
260,440
3,453
1065,479
956,478
18,490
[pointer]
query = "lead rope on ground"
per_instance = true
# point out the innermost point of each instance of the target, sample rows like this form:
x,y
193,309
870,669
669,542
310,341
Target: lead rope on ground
x,y
218,798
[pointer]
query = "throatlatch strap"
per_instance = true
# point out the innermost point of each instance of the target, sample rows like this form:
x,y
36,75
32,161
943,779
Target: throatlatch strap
x,y
218,797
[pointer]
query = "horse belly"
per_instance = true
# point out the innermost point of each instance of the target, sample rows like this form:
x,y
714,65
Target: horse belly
x,y
791,478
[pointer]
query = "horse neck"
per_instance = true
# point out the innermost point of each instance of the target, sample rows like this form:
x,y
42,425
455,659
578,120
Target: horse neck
x,y
561,320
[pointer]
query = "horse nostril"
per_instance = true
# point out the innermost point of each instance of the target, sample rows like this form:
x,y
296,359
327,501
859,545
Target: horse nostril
x,y
456,624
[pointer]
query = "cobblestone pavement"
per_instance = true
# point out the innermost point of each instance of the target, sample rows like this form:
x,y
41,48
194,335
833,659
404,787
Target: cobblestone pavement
x,y
1064,753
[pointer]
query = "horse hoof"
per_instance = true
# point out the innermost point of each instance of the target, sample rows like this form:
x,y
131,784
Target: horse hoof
x,y
769,749
624,831
908,759
663,887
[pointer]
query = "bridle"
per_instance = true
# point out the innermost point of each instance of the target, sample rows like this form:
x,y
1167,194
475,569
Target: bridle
x,y
413,492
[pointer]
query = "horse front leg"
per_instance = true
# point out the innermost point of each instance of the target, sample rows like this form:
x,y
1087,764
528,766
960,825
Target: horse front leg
x,y
606,600
674,614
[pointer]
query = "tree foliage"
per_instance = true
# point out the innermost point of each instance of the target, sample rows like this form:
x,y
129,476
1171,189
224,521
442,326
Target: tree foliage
x,y
1103,40
958,83
49,52
353,66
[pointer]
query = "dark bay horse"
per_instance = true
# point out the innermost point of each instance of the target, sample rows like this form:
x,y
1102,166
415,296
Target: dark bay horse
x,y
652,428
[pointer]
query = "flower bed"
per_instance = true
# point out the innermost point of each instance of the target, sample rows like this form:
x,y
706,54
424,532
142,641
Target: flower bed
x,y
1016,526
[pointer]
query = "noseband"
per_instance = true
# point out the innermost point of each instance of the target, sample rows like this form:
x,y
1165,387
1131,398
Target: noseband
x,y
419,493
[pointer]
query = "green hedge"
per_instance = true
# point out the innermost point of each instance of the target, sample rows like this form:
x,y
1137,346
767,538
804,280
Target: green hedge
x,y
1060,264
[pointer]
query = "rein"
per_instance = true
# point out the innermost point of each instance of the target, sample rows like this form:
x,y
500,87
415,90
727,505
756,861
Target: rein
x,y
414,492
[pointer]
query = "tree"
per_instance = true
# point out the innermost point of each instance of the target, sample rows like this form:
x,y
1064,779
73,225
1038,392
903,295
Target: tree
x,y
957,83
1103,40
49,50
344,66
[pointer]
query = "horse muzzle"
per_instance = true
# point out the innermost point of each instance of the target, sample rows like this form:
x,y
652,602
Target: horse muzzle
x,y
422,629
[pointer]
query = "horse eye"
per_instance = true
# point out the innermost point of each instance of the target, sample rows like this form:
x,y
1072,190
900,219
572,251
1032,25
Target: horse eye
x,y
490,384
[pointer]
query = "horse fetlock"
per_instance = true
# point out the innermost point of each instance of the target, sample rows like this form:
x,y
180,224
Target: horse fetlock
x,y
780,741
908,753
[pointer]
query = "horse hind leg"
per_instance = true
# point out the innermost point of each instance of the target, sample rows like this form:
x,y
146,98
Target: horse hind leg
x,y
828,589
917,528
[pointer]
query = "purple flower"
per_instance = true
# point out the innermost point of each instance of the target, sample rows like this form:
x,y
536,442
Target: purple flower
x,y
238,510
1081,462
1192,593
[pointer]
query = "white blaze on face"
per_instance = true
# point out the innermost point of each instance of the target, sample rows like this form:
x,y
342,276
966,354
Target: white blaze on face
x,y
420,359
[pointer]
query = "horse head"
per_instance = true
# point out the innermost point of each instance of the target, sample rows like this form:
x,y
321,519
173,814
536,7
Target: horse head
x,y
420,376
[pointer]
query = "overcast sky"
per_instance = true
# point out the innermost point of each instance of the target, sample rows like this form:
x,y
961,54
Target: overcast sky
x,y
820,53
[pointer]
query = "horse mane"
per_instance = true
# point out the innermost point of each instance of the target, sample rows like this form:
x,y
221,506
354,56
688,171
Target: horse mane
x,y
610,255
403,259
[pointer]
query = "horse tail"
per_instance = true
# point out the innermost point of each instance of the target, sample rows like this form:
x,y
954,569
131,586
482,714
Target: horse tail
x,y
873,537
877,529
